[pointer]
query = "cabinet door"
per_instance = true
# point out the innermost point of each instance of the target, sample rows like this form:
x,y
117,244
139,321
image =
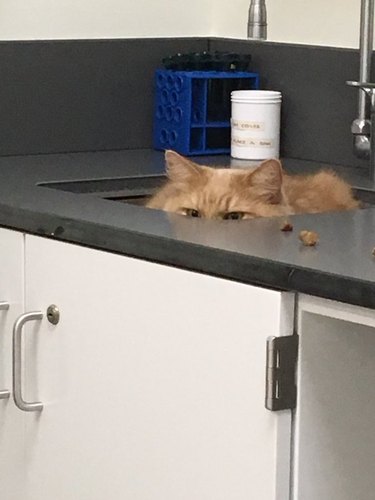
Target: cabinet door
x,y
11,418
152,382
334,434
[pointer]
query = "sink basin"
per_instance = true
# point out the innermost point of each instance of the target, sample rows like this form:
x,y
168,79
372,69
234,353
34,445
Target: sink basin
x,y
137,190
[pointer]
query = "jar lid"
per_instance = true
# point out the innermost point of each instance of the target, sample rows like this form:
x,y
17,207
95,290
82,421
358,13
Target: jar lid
x,y
256,95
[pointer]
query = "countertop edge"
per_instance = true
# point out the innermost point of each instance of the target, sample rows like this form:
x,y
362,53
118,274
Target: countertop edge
x,y
197,258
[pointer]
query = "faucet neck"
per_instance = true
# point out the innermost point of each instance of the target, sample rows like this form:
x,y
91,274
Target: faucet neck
x,y
257,23
365,51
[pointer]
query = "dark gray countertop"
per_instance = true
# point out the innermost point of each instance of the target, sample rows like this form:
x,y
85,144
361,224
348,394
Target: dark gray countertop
x,y
341,267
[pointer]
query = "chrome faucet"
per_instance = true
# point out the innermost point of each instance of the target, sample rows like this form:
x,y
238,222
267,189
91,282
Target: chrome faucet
x,y
363,127
257,22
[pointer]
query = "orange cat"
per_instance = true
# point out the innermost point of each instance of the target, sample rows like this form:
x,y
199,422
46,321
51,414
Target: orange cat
x,y
265,191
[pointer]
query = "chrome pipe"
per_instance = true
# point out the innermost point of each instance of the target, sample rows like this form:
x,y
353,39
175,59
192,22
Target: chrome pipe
x,y
361,126
365,51
257,21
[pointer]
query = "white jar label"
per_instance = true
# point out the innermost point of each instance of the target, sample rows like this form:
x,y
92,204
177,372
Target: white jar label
x,y
249,141
247,125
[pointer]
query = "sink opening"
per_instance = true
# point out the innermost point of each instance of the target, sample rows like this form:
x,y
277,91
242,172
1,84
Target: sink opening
x,y
133,200
138,190
133,190
365,197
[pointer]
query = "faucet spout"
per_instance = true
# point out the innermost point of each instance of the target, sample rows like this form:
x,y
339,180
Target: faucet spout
x,y
364,130
257,22
361,145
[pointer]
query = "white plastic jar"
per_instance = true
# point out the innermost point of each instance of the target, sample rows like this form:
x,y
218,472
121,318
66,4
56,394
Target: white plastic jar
x,y
255,124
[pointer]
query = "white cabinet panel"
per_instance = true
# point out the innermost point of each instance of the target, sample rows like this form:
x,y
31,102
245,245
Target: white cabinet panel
x,y
12,464
153,382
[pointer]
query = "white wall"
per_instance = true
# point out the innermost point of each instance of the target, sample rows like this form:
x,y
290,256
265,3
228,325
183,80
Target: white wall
x,y
53,19
321,22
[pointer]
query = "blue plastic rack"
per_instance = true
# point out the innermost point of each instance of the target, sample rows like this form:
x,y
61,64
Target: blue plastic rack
x,y
192,109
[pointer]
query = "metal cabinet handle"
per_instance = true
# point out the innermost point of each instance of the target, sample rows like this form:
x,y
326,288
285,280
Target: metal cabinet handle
x,y
4,394
17,362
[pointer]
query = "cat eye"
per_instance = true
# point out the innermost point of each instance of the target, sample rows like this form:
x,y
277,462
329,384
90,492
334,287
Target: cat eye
x,y
233,215
191,212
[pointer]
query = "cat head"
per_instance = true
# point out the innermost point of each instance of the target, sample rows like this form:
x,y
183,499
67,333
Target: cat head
x,y
222,193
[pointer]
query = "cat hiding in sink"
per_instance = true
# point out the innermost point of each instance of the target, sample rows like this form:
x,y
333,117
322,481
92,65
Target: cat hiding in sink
x,y
265,191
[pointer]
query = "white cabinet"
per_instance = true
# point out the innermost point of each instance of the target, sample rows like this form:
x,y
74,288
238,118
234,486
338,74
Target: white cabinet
x,y
334,434
152,382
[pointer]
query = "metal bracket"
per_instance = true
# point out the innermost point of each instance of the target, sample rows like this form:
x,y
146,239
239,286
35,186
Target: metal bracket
x,y
281,390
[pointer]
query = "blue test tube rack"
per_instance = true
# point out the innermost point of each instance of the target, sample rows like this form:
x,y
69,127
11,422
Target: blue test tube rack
x,y
192,109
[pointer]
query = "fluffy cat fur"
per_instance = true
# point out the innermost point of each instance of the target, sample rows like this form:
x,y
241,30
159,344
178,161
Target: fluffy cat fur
x,y
265,191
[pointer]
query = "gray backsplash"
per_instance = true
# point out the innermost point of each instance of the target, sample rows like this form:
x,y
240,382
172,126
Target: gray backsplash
x,y
318,108
89,95
80,95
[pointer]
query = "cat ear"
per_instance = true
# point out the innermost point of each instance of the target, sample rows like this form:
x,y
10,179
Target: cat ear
x,y
267,178
179,168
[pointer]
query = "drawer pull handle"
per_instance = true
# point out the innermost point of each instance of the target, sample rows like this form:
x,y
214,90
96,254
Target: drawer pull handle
x,y
17,362
4,394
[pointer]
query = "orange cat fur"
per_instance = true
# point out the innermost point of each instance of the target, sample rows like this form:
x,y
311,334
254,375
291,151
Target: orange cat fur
x,y
265,191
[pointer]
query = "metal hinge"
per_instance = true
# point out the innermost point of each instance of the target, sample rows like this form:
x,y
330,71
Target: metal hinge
x,y
281,390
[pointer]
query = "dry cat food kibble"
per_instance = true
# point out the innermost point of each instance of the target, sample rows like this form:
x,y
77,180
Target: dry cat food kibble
x,y
286,226
309,238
